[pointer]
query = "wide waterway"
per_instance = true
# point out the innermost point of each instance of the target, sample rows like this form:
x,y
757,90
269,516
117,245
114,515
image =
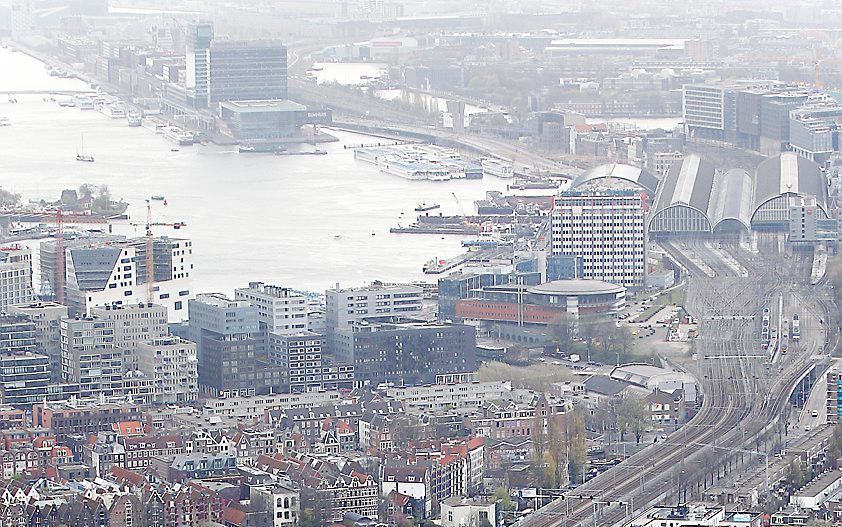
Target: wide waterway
x,y
251,216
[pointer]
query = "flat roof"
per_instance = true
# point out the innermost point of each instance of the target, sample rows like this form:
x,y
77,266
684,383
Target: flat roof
x,y
576,287
269,105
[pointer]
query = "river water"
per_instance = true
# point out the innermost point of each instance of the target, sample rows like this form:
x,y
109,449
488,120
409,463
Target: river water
x,y
251,216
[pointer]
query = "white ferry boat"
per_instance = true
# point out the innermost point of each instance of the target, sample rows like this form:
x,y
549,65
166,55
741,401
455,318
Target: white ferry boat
x,y
134,119
405,169
114,110
178,136
83,102
497,168
369,155
154,124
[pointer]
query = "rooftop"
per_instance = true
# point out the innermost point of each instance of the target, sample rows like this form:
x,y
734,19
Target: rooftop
x,y
271,105
576,287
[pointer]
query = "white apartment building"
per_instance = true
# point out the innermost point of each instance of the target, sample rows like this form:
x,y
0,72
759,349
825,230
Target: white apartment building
x,y
15,276
133,325
605,229
343,307
280,310
462,397
172,364
115,274
257,405
90,358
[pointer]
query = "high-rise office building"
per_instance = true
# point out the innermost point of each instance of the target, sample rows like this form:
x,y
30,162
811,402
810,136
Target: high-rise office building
x,y
15,276
710,111
90,358
605,228
199,38
225,332
254,70
133,325
47,319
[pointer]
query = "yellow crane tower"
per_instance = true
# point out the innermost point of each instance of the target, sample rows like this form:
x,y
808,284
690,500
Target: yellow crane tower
x,y
150,247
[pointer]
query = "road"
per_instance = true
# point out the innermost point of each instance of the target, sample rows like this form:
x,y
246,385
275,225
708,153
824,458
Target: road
x,y
746,395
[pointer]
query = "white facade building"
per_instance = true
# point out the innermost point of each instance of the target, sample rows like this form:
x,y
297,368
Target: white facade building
x,y
605,228
282,310
15,276
172,364
343,307
463,397
464,512
257,405
115,274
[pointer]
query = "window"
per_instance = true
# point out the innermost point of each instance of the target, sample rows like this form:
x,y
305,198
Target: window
x,y
177,306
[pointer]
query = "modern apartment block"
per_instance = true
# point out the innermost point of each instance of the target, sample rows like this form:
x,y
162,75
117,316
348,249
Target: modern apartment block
x,y
46,316
605,228
406,353
15,276
90,357
226,335
24,373
103,272
133,325
344,307
306,369
172,364
280,310
834,396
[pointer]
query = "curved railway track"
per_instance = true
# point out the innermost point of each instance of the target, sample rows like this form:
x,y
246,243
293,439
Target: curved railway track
x,y
745,402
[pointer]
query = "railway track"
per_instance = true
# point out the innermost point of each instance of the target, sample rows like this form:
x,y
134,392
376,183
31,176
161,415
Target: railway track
x,y
746,405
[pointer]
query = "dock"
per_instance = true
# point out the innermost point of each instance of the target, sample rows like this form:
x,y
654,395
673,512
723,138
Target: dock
x,y
443,266
443,229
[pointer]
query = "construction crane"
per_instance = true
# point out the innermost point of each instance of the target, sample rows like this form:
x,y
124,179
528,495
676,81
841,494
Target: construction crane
x,y
150,247
459,204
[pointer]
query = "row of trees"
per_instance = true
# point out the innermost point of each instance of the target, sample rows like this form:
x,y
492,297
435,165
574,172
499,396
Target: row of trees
x,y
626,415
560,450
597,335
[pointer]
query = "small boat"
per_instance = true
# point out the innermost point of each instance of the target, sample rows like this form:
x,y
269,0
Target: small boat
x,y
245,149
158,198
80,152
175,149
373,234
4,121
337,236
319,152
317,68
424,207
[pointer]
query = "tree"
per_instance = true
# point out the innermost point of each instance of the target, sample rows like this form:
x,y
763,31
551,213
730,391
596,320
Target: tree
x,y
562,330
8,199
308,518
501,496
86,191
633,416
103,200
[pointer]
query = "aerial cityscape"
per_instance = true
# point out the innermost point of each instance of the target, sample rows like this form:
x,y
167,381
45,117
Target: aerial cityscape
x,y
419,263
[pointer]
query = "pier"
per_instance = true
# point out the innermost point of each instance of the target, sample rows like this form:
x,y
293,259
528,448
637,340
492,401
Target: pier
x,y
443,266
